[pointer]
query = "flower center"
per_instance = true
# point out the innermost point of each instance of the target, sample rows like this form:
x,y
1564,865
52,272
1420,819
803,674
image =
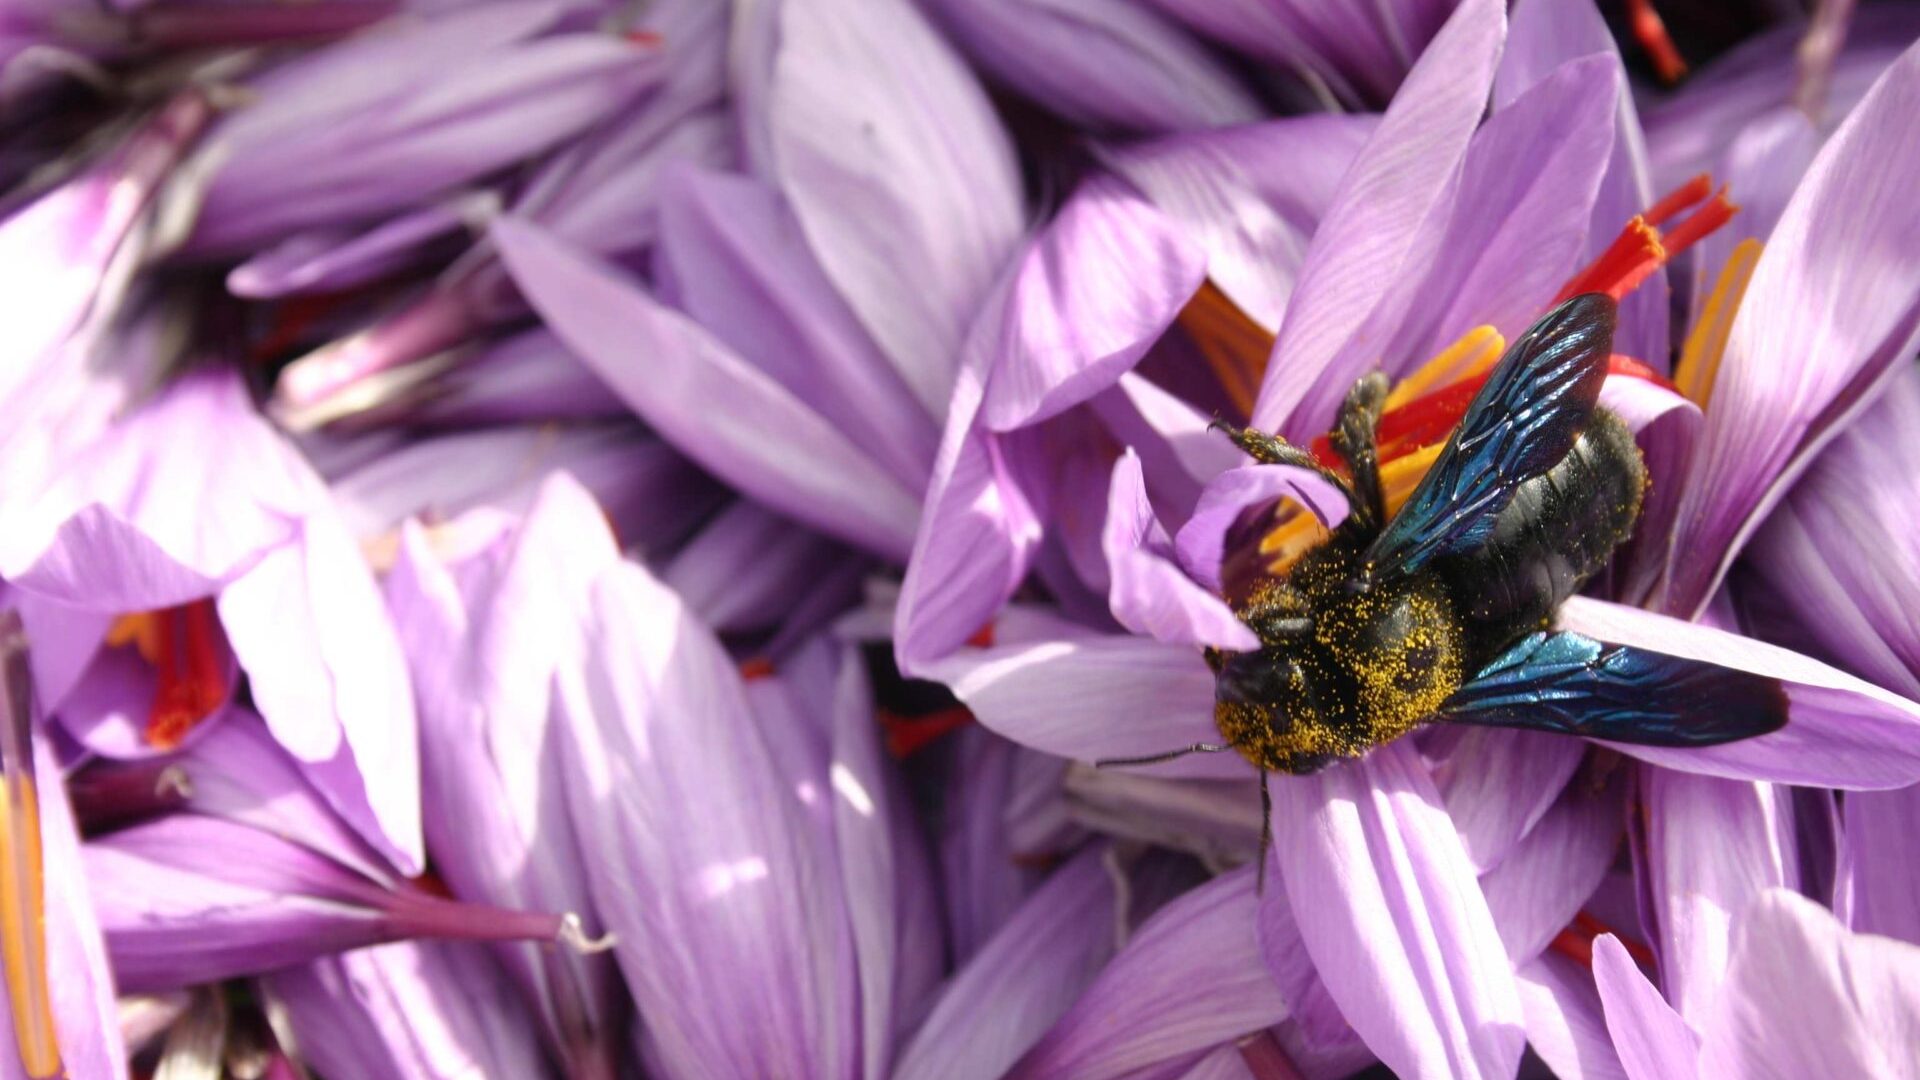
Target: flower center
x,y
182,644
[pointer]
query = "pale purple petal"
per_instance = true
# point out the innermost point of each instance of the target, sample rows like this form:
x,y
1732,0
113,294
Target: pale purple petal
x,y
124,528
329,677
85,1022
1712,845
731,256
408,1009
1150,594
980,530
1806,998
1833,307
982,883
1389,193
1566,1026
1013,989
108,712
1250,196
1202,541
1176,442
706,400
1498,783
1107,64
730,927
1189,979
1095,697
1653,1041
326,261
1410,953
1883,888
1216,821
749,566
1841,732
1542,883
896,165
1097,287
529,377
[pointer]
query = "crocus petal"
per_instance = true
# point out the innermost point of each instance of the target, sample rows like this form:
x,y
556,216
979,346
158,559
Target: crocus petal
x,y
1566,1026
1388,194
1094,698
731,255
310,262
1654,1043
1188,980
1497,785
749,566
1883,887
1711,846
1105,279
1841,732
407,1009
1012,990
700,395
898,169
1250,196
980,530
1832,307
1150,594
730,929
983,885
1806,998
1106,64
125,528
1202,541
1177,444
1541,884
1409,952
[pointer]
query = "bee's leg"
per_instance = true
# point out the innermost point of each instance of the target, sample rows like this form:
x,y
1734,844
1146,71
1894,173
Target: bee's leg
x,y
1266,835
1274,450
1353,436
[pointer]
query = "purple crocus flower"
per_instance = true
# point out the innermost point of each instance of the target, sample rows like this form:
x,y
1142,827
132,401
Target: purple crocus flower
x,y
1435,230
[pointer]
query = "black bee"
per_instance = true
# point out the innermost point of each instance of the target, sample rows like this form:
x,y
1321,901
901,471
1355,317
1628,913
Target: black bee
x,y
1444,612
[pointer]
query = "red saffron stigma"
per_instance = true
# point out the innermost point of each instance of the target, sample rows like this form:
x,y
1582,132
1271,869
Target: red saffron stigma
x,y
644,37
1651,32
756,667
1679,199
907,735
1640,249
1576,942
983,637
1718,211
190,683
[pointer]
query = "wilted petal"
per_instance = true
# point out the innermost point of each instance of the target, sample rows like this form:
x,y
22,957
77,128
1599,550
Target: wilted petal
x,y
1096,697
1841,732
1653,1042
1111,64
189,899
730,929
1202,540
1098,286
1189,979
1712,845
124,527
706,400
1804,997
1150,594
896,165
1402,173
1250,196
408,1009
1409,951
1833,306
1011,991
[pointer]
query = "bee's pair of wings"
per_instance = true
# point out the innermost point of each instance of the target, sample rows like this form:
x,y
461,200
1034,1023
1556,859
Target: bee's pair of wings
x,y
1520,425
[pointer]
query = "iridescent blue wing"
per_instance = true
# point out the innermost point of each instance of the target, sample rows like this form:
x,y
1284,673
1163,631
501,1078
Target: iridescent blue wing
x,y
1571,684
1520,424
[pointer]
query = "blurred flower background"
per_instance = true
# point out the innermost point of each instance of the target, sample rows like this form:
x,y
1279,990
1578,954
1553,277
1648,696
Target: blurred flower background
x,y
601,538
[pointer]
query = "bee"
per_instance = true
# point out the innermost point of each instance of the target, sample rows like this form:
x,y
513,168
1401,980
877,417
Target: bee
x,y
1444,611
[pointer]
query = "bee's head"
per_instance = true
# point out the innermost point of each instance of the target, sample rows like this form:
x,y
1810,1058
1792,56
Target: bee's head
x,y
1264,704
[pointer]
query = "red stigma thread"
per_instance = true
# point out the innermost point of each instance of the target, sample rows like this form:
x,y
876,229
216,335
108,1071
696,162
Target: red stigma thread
x,y
190,684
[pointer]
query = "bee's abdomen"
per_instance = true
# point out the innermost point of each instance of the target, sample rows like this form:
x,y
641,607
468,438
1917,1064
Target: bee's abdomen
x,y
1558,531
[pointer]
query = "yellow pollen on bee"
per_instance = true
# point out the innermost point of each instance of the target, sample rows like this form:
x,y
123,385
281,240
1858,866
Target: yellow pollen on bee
x,y
1474,352
1707,342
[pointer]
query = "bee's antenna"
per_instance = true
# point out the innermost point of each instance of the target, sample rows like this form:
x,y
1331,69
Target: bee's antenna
x,y
1266,835
1153,759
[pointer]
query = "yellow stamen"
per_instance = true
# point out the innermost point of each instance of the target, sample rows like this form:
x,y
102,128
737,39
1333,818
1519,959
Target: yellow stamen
x,y
1474,352
1707,343
1401,475
23,926
1295,534
142,630
1235,346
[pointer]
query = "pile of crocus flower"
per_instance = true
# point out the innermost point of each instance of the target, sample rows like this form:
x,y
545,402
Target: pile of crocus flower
x,y
603,538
